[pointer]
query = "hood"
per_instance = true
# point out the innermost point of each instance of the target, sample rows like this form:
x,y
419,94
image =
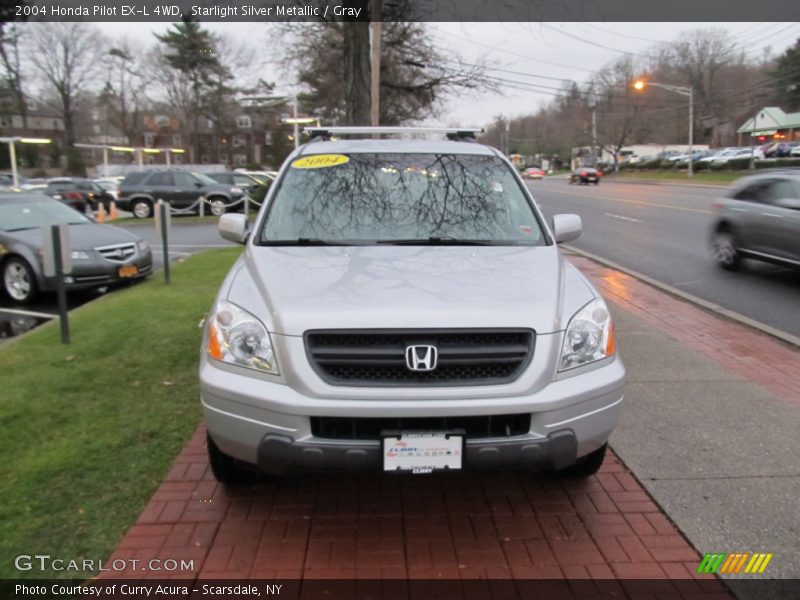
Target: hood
x,y
81,237
296,289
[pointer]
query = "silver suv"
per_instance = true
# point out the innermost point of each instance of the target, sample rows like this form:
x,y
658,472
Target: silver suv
x,y
401,305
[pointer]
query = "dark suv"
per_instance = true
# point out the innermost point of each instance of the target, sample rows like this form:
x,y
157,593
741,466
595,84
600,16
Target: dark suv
x,y
140,190
79,193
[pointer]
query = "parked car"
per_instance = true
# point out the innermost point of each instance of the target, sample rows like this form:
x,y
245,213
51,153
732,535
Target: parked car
x,y
780,149
140,190
403,306
246,182
109,185
738,153
79,193
102,255
533,173
759,217
719,153
795,151
585,175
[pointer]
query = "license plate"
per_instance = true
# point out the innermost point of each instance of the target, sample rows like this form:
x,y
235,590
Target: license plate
x,y
128,271
422,452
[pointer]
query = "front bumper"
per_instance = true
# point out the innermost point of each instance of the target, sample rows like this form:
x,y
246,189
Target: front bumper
x,y
269,424
100,272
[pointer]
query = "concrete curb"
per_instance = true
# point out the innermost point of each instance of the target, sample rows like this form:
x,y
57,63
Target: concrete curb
x,y
710,306
612,179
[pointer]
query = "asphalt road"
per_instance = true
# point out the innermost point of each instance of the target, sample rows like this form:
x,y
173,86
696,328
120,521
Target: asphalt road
x,y
662,231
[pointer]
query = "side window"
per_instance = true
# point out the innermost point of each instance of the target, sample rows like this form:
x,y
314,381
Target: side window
x,y
161,179
184,180
85,186
752,193
242,180
780,189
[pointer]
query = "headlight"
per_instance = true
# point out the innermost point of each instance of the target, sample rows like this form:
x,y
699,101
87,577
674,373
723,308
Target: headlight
x,y
143,246
589,336
237,337
79,255
236,190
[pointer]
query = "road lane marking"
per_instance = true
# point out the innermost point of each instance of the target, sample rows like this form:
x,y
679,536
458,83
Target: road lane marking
x,y
623,218
637,202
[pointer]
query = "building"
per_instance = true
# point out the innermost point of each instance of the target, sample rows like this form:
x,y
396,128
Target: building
x,y
768,124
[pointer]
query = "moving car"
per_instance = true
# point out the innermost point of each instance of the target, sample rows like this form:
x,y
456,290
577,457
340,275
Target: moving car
x,y
585,175
402,305
101,255
533,173
758,218
140,190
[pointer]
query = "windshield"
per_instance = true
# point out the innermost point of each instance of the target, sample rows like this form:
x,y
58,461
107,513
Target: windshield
x,y
27,213
401,198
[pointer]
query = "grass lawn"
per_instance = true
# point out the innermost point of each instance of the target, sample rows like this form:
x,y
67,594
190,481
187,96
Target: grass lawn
x,y
90,429
707,177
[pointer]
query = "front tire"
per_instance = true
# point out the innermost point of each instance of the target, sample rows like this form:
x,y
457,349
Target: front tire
x,y
585,467
723,247
225,468
19,281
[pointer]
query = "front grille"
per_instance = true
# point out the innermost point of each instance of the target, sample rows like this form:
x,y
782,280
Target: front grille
x,y
117,253
491,426
378,357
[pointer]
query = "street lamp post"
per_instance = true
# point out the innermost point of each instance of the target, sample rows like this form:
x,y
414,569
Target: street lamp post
x,y
12,152
641,84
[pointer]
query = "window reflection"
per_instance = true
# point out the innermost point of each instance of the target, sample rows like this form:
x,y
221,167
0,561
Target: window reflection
x,y
388,197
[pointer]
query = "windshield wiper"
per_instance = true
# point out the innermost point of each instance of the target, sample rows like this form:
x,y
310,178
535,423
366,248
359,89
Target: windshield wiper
x,y
313,242
444,241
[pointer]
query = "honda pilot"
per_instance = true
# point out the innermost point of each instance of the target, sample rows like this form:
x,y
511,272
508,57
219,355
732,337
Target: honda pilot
x,y
401,305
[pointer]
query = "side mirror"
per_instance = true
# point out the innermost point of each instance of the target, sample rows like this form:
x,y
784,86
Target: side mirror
x,y
567,228
792,203
198,184
234,227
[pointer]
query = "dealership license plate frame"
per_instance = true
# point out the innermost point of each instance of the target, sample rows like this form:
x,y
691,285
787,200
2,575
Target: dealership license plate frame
x,y
419,462
128,271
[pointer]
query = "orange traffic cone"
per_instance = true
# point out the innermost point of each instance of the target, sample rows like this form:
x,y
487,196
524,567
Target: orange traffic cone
x,y
101,213
114,214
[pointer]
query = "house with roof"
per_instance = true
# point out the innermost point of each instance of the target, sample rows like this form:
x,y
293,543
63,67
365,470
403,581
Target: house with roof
x,y
770,123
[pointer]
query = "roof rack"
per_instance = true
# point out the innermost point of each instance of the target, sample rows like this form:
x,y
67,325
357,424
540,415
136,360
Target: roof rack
x,y
452,133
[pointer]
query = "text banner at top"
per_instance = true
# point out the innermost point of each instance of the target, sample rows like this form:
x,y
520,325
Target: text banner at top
x,y
403,10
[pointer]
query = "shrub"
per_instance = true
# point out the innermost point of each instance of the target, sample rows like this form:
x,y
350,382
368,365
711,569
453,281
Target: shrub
x,y
651,164
701,166
667,164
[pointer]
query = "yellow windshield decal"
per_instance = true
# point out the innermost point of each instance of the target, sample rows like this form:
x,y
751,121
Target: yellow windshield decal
x,y
320,161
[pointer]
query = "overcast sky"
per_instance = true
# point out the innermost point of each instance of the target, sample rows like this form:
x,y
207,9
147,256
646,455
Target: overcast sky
x,y
551,51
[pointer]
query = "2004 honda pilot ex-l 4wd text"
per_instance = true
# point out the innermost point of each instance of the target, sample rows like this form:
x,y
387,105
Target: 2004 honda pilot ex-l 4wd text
x,y
401,305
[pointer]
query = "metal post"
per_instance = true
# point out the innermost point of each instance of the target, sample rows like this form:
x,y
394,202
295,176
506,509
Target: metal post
x,y
163,208
691,129
55,231
294,110
12,152
594,135
168,155
247,206
105,161
139,157
202,210
376,28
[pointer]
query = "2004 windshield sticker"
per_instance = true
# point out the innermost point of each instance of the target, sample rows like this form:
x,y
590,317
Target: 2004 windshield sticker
x,y
320,161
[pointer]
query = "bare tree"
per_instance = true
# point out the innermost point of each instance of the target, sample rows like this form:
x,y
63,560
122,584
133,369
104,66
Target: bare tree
x,y
123,95
67,55
10,42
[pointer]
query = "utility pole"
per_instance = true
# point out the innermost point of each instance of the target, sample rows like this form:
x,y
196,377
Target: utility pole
x,y
294,114
593,106
376,29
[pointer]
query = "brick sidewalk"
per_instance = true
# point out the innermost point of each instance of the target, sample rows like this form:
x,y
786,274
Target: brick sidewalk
x,y
446,526
762,359
457,525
